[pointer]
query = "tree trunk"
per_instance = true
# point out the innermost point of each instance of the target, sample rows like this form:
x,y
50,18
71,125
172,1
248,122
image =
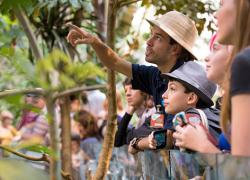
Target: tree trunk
x,y
55,166
66,135
108,143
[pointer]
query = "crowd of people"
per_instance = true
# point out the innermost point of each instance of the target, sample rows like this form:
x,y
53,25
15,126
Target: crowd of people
x,y
170,47
172,101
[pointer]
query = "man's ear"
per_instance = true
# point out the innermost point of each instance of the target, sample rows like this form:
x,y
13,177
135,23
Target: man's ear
x,y
192,98
176,49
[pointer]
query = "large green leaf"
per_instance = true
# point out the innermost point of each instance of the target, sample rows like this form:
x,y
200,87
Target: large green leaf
x,y
7,5
40,149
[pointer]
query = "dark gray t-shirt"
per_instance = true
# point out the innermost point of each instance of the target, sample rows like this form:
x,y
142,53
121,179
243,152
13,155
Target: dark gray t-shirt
x,y
240,73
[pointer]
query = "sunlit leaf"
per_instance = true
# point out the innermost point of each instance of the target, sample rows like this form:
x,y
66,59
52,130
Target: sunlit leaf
x,y
23,65
66,81
5,51
14,99
40,149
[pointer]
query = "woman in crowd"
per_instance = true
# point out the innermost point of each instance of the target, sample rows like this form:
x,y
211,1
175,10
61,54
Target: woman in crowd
x,y
87,127
234,28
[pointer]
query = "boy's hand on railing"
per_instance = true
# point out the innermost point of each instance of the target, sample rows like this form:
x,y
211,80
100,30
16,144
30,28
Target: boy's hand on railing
x,y
132,150
151,141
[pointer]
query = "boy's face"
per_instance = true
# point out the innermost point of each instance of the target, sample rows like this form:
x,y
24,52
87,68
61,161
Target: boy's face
x,y
175,99
134,97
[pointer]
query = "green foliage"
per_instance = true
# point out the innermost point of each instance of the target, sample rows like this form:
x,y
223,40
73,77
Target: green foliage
x,y
192,8
58,72
6,6
14,99
10,33
50,19
37,148
17,70
15,66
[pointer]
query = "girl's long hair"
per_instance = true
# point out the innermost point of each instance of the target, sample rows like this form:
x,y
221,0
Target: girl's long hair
x,y
241,40
88,122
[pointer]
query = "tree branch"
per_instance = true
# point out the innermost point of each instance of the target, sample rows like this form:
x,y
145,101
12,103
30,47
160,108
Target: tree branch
x,y
44,157
78,89
14,92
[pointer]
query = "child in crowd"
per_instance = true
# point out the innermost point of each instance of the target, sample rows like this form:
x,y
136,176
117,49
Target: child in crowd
x,y
78,155
137,103
7,131
188,88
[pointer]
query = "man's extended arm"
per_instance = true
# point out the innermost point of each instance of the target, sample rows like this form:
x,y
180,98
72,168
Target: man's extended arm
x,y
107,56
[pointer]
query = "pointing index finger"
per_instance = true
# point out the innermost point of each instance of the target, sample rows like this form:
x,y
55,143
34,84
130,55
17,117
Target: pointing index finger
x,y
76,28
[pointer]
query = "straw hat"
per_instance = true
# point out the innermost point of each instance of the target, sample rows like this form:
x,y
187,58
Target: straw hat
x,y
193,75
179,27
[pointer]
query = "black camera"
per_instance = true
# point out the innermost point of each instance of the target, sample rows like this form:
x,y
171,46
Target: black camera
x,y
161,138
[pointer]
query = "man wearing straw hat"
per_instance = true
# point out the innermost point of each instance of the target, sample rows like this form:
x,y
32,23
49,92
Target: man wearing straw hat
x,y
170,45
